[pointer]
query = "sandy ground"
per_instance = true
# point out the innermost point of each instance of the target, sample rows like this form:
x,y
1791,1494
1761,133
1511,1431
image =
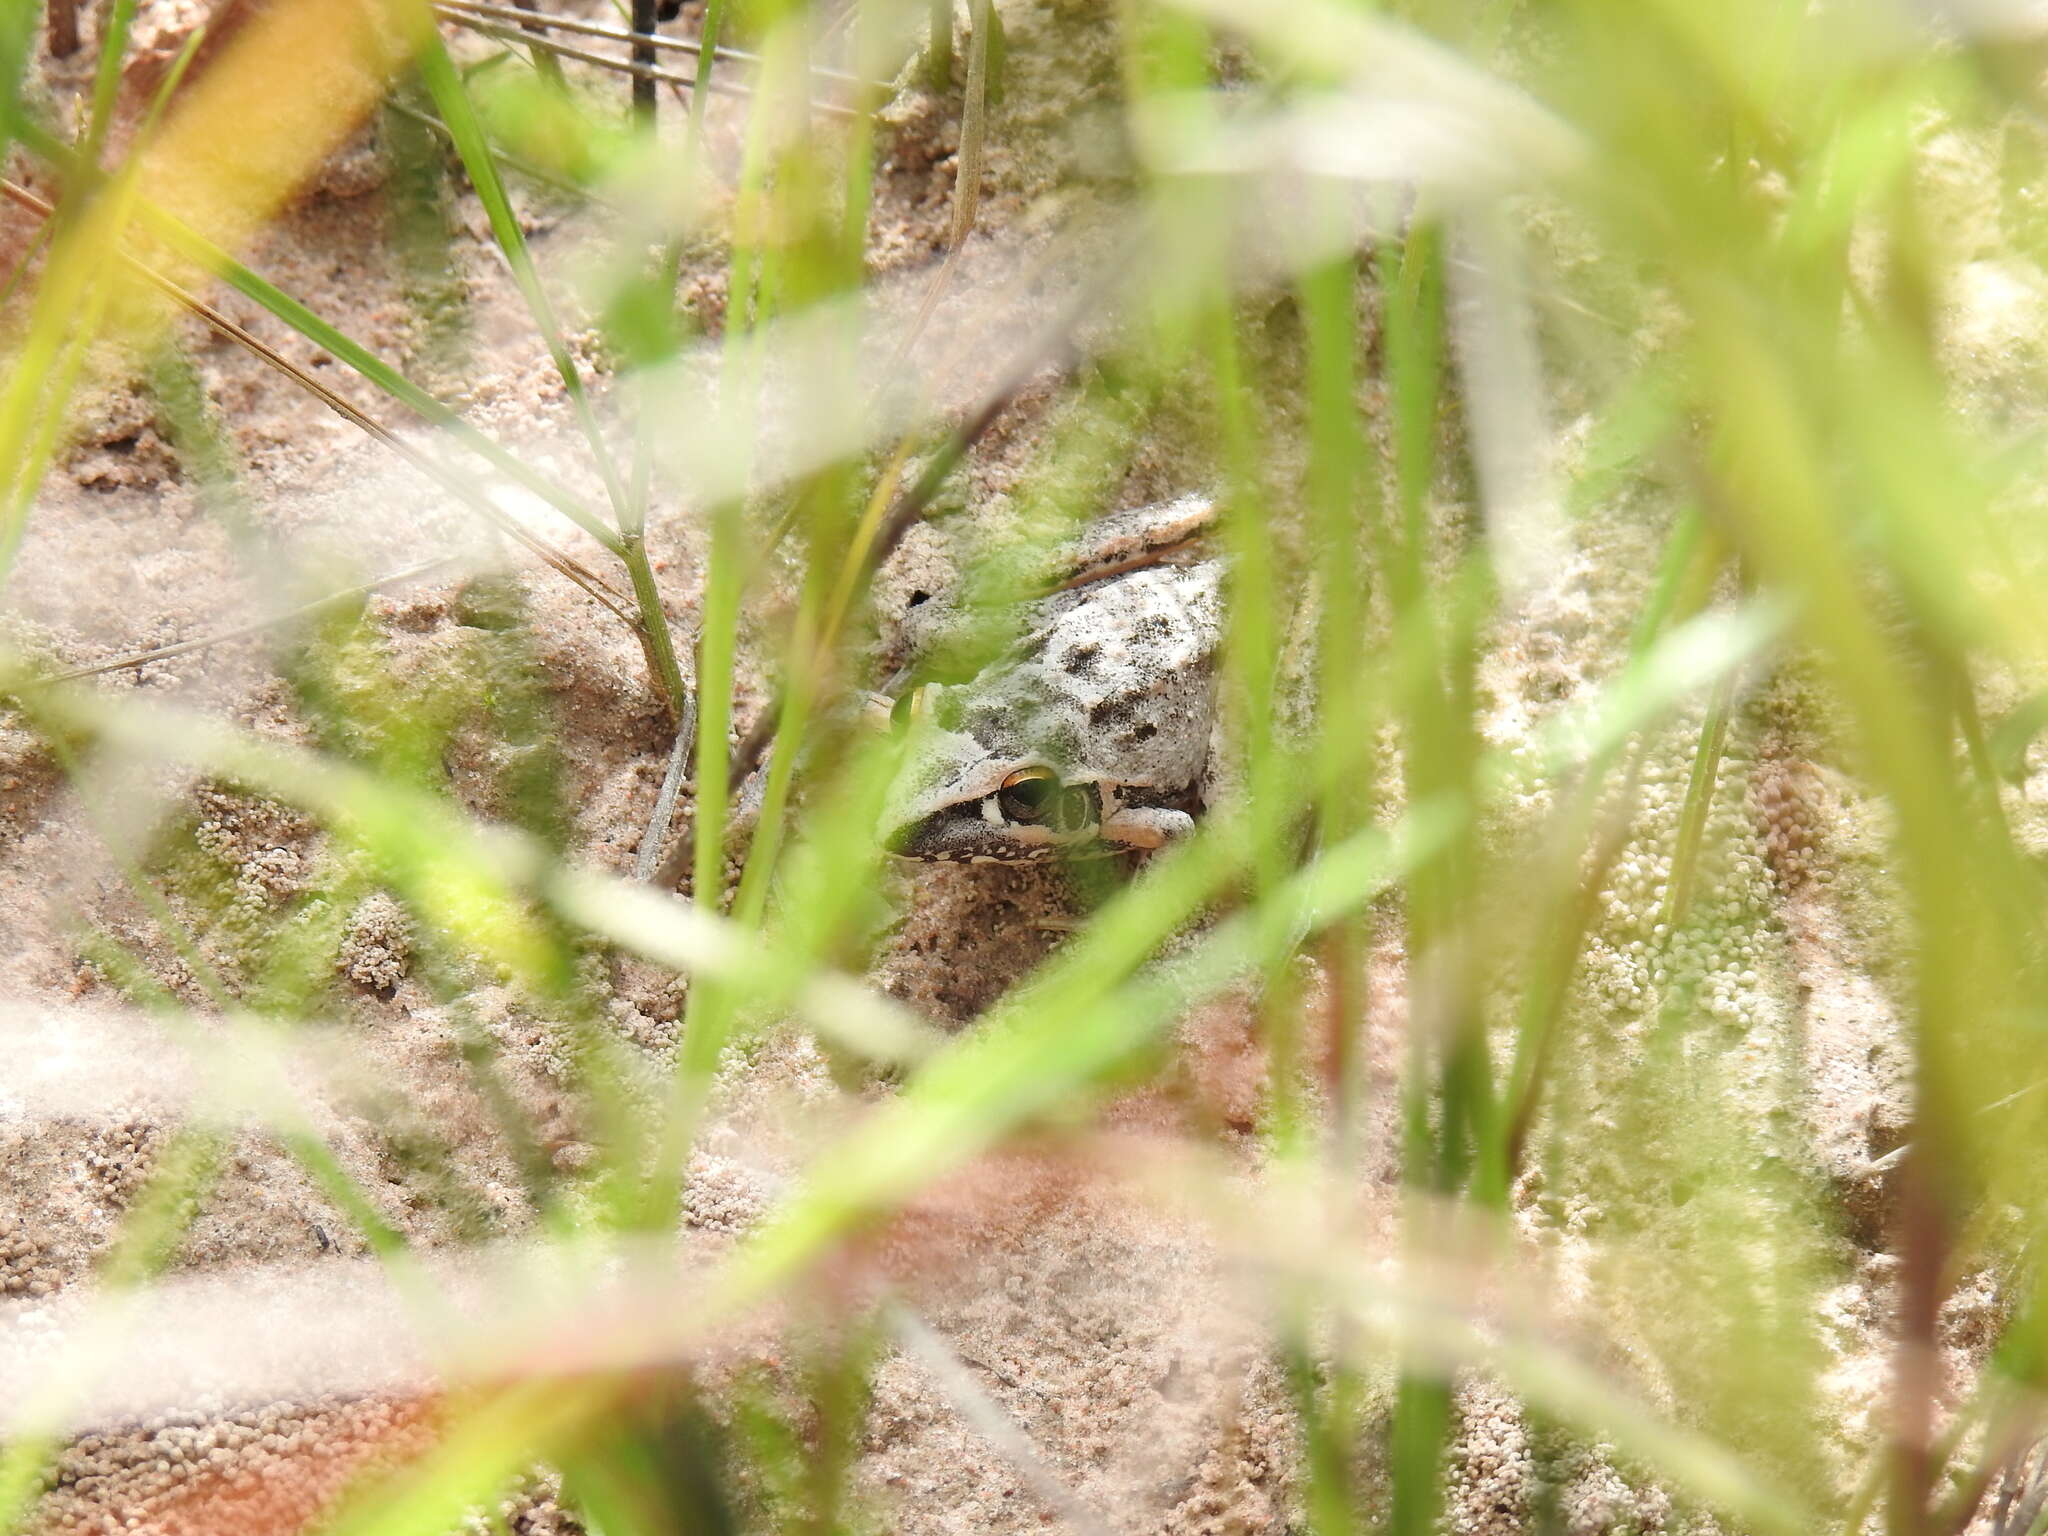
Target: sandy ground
x,y
1111,1335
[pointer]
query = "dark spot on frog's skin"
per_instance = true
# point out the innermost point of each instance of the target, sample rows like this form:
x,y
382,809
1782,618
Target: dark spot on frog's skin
x,y
1144,730
988,723
1080,660
1107,712
1151,627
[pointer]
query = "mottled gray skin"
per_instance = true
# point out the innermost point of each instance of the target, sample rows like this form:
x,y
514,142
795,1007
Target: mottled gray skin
x,y
1111,686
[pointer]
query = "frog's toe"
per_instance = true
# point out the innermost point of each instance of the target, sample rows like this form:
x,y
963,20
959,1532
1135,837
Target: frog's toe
x,y
1146,826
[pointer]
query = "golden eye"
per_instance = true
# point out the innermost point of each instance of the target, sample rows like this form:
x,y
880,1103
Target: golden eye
x,y
1029,794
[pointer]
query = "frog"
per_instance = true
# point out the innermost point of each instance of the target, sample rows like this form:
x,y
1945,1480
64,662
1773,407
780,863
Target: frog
x,y
1090,734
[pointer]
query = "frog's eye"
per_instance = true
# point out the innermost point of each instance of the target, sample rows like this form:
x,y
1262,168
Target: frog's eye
x,y
914,705
1029,794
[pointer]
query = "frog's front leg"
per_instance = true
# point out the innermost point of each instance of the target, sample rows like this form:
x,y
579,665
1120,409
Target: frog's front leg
x,y
1146,826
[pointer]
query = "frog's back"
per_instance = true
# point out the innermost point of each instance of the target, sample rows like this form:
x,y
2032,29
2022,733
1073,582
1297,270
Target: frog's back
x,y
1115,680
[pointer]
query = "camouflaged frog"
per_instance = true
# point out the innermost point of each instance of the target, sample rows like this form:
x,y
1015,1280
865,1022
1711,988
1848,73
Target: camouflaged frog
x,y
1090,735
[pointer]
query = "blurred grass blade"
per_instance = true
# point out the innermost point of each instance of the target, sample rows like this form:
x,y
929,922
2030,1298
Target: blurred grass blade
x,y
77,296
106,81
1684,660
17,46
471,881
1377,59
1504,392
1063,1043
451,99
213,259
55,352
697,943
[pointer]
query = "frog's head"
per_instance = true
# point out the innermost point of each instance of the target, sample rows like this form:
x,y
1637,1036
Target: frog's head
x,y
958,800
1000,814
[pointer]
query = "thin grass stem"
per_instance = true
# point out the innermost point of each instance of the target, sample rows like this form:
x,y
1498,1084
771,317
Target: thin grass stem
x,y
648,73
696,47
460,486
938,62
472,145
644,96
106,80
298,317
701,85
73,302
334,601
1699,801
544,63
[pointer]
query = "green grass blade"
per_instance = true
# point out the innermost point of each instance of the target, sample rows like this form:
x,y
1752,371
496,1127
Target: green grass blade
x,y
106,80
211,258
451,97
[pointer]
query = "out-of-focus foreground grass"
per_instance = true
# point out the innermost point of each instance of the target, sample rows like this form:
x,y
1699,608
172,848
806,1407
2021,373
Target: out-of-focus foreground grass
x,y
1432,296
